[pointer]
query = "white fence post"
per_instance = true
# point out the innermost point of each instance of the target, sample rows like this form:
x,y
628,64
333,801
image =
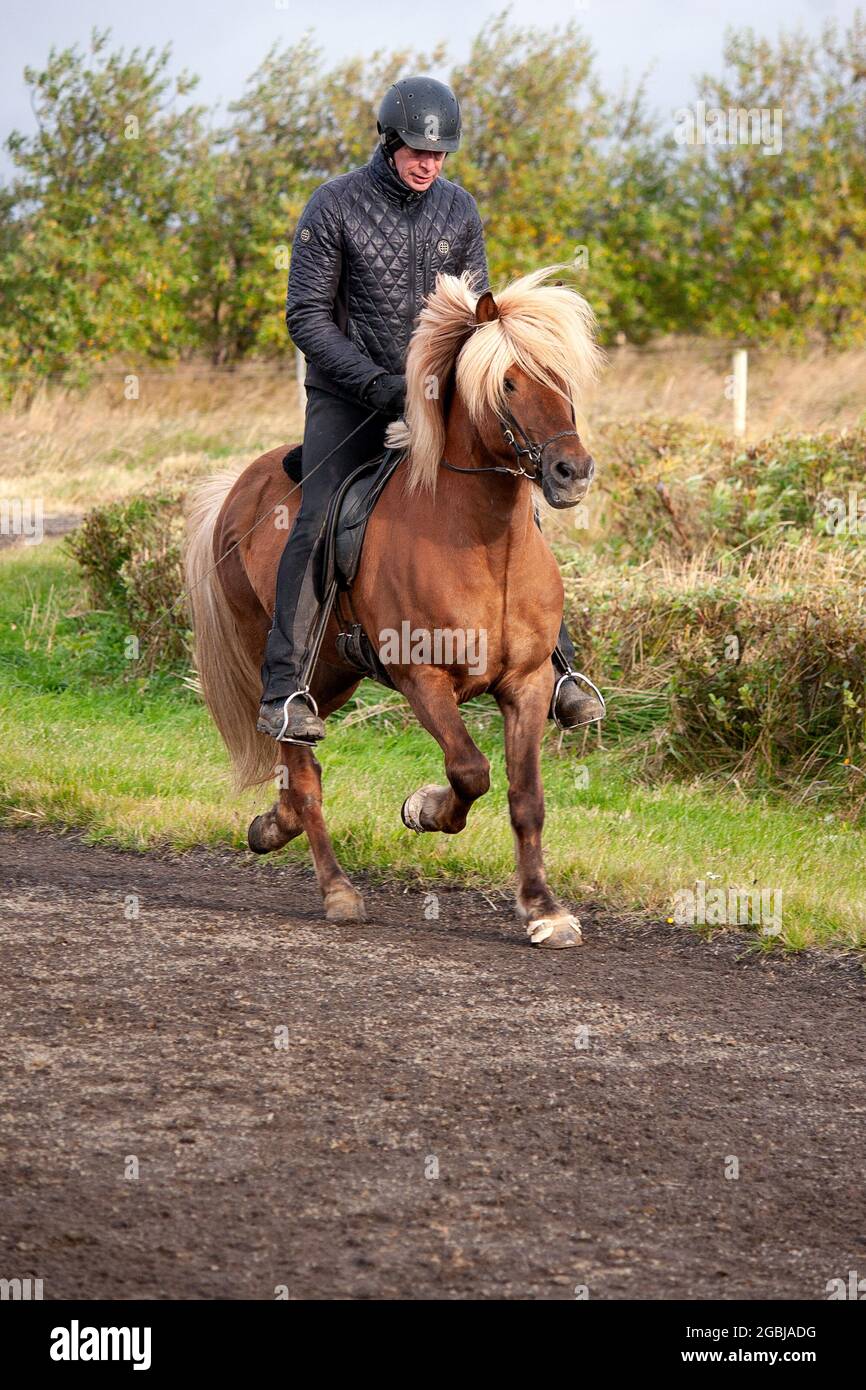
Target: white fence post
x,y
741,389
299,373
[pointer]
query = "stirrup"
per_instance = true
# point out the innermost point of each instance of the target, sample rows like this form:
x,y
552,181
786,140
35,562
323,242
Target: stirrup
x,y
567,675
304,694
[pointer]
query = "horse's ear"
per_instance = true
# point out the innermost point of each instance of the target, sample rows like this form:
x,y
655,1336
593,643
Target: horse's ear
x,y
486,310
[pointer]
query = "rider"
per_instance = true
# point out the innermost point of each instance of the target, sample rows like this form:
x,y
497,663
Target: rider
x,y
366,251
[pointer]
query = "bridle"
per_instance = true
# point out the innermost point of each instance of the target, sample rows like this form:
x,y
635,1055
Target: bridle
x,y
527,448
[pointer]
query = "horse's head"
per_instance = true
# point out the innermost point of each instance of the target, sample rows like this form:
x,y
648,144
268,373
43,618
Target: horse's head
x,y
531,424
518,363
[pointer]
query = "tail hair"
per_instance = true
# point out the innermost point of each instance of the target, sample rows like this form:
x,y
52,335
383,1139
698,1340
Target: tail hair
x,y
229,677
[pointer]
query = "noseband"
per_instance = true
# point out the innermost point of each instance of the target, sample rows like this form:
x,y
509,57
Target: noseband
x,y
527,448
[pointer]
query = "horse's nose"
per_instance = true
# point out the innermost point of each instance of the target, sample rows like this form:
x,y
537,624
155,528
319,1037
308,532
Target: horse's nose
x,y
567,471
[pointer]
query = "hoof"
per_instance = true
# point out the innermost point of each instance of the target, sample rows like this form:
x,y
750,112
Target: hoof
x,y
266,834
555,933
344,904
413,807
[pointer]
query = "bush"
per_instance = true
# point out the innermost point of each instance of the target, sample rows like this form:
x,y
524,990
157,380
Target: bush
x,y
130,553
672,487
760,676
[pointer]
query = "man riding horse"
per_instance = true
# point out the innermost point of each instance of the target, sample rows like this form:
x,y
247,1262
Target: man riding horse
x,y
367,249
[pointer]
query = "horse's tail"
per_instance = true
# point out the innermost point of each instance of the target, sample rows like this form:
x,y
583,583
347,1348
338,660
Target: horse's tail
x,y
229,677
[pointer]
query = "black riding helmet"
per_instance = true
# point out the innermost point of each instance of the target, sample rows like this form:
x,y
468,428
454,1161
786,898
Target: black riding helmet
x,y
419,112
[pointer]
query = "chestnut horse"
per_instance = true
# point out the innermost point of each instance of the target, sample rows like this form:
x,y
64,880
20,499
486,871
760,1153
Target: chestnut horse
x,y
452,545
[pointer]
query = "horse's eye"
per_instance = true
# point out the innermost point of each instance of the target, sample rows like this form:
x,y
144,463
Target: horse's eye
x,y
509,385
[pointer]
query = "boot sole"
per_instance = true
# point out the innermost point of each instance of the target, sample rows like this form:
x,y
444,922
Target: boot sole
x,y
307,739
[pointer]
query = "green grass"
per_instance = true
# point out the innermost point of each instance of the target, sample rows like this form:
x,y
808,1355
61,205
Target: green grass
x,y
86,742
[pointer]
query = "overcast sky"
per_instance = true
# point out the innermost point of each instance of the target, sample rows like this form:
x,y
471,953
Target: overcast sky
x,y
223,41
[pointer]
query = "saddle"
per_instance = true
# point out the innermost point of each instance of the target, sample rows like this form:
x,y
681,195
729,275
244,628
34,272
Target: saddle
x,y
337,555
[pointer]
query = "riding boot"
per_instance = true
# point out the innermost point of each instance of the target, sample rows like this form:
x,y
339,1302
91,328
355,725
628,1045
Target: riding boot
x,y
293,717
571,707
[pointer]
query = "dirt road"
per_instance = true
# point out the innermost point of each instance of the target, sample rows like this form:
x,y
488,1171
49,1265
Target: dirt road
x,y
415,1107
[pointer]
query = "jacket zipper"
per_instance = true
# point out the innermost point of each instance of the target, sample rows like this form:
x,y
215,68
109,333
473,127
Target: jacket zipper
x,y
412,269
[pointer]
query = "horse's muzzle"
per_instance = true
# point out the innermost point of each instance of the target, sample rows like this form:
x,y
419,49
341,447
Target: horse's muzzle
x,y
566,482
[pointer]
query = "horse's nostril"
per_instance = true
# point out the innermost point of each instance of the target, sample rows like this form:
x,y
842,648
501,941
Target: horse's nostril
x,y
567,471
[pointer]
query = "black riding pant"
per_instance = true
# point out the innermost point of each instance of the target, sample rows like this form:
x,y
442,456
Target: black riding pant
x,y
330,453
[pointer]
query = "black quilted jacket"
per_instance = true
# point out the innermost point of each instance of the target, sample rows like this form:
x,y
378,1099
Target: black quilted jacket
x,y
367,249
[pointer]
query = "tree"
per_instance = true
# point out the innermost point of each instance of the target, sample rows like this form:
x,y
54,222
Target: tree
x,y
777,240
97,263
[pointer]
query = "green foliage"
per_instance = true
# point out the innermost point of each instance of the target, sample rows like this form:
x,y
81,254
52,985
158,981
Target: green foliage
x,y
793,697
776,241
721,495
723,677
131,556
134,232
97,262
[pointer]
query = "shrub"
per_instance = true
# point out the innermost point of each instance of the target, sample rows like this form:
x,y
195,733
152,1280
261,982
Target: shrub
x,y
760,675
671,487
130,553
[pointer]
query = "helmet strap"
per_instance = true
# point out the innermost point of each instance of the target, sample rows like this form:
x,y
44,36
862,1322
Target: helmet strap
x,y
391,142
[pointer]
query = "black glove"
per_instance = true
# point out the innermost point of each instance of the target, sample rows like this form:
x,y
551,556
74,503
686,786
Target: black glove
x,y
387,394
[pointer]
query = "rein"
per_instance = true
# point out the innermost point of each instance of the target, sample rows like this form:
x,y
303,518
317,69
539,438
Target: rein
x,y
532,450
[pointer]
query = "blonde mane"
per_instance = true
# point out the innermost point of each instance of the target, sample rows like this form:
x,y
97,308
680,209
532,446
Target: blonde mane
x,y
546,330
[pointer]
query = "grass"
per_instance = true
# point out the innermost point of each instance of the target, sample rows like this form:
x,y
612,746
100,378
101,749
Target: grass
x,y
74,450
133,761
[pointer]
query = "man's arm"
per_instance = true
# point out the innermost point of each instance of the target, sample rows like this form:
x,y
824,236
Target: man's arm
x,y
476,257
314,276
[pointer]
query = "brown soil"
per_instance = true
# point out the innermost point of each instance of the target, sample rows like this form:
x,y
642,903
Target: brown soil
x,y
411,1041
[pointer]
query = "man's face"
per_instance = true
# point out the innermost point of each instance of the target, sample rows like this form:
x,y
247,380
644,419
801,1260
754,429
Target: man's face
x,y
418,168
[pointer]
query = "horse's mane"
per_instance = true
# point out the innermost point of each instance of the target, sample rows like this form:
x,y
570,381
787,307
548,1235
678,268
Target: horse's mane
x,y
547,330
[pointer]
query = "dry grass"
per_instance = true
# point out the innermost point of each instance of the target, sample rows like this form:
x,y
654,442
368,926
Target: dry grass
x,y
686,378
74,450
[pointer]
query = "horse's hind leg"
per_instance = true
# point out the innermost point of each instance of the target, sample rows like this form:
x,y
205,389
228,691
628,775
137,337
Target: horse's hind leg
x,y
524,710
343,902
282,822
299,809
468,771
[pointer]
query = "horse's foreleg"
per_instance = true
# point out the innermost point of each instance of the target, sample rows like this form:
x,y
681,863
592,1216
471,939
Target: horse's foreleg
x,y
524,710
432,807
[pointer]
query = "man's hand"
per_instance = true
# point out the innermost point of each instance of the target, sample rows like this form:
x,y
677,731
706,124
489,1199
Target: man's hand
x,y
387,394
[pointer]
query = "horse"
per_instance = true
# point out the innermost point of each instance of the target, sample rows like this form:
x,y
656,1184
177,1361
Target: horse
x,y
452,546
